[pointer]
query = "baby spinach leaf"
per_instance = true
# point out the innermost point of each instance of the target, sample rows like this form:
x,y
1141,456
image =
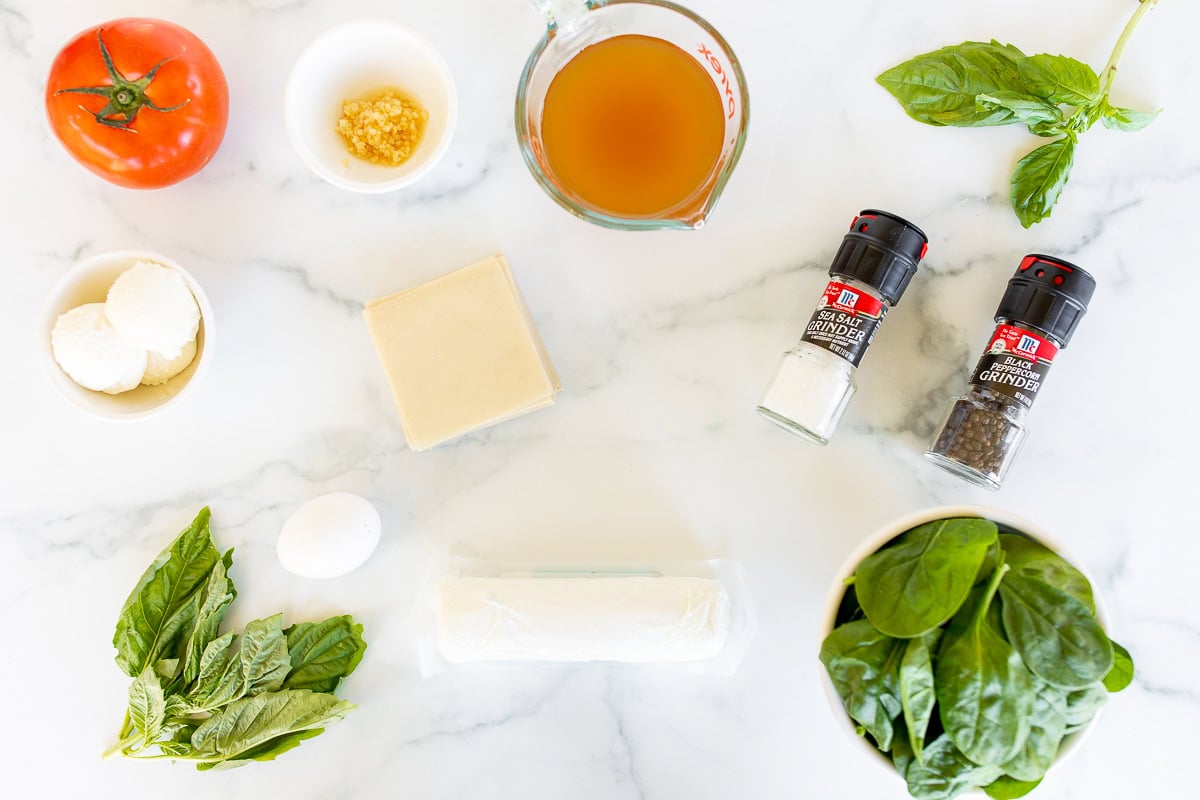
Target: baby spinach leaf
x,y
218,594
985,694
1006,788
902,754
147,705
941,87
1082,705
322,653
1060,79
251,721
1048,726
863,665
1031,558
1121,674
1057,637
946,772
918,583
1126,119
1026,109
159,614
1039,178
917,696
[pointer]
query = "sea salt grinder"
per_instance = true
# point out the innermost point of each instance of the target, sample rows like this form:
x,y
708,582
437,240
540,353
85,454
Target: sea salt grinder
x,y
870,271
1038,314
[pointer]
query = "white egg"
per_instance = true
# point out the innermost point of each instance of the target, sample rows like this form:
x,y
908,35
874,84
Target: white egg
x,y
329,536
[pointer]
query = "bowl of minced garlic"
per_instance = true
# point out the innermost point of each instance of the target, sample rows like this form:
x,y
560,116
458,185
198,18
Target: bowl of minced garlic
x,y
370,106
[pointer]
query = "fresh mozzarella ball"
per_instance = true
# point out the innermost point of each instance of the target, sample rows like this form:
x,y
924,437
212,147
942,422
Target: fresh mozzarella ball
x,y
160,369
96,357
151,306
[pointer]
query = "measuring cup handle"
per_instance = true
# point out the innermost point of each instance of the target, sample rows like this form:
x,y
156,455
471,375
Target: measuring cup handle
x,y
563,15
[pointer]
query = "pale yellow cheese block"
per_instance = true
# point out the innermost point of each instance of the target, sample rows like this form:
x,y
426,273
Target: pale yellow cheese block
x,y
461,353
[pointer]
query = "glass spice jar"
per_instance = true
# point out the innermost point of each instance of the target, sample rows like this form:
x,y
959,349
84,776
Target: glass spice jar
x,y
1038,314
871,270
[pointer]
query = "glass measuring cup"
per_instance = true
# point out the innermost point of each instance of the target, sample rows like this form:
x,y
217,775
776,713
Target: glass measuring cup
x,y
572,25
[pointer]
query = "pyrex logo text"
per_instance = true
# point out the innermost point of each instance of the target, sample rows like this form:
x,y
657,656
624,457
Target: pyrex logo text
x,y
717,68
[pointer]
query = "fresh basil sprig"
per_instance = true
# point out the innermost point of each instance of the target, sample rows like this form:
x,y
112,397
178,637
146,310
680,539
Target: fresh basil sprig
x,y
222,700
977,84
998,658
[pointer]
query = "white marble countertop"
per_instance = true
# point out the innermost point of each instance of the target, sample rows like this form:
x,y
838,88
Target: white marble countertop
x,y
663,342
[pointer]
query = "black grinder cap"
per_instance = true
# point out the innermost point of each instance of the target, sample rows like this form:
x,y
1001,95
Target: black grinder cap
x,y
1048,293
881,250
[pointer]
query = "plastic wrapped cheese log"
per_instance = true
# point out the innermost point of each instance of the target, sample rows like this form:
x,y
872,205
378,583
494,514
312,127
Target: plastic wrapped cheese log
x,y
628,619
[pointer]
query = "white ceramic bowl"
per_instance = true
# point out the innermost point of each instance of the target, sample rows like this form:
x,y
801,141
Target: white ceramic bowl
x,y
88,282
877,540
353,60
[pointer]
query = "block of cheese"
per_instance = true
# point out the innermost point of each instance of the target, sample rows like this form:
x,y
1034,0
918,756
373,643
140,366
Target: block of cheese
x,y
630,619
461,353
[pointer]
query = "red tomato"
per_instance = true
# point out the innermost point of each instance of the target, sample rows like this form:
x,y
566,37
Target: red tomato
x,y
140,102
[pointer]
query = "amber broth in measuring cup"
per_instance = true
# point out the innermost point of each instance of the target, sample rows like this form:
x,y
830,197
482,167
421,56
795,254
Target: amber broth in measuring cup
x,y
631,114
633,126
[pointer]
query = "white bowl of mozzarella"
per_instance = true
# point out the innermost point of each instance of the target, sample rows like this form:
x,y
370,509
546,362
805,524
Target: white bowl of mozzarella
x,y
86,284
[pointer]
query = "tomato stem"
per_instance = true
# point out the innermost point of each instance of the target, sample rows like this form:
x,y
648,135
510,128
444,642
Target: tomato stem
x,y
125,97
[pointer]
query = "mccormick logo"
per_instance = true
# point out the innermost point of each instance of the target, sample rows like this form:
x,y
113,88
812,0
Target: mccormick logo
x,y
848,299
1028,345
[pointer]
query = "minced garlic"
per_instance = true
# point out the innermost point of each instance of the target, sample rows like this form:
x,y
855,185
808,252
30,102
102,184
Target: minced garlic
x,y
384,130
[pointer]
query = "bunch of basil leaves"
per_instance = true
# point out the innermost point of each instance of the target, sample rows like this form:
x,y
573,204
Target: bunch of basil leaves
x,y
222,700
978,84
969,655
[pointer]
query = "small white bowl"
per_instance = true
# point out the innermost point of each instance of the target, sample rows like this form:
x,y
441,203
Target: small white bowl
x,y
351,61
88,281
877,540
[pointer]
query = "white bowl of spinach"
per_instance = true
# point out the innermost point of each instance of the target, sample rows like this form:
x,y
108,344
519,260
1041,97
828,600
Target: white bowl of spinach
x,y
966,652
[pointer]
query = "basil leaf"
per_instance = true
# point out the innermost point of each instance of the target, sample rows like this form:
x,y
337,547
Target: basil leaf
x,y
176,749
915,585
946,772
1126,119
917,696
1082,705
985,694
1060,79
1121,674
1039,178
1048,725
252,721
212,666
268,751
1028,557
322,653
940,88
147,705
863,665
1006,788
260,665
218,594
1026,109
159,614
1057,637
